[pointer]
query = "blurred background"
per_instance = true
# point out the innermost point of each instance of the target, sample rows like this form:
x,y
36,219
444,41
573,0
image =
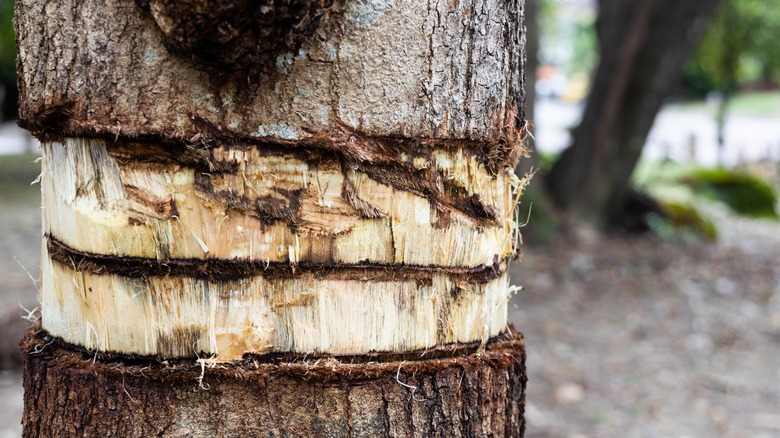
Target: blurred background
x,y
651,265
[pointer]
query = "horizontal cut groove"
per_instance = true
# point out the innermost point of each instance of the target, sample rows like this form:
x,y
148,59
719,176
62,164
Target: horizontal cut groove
x,y
55,123
499,348
219,270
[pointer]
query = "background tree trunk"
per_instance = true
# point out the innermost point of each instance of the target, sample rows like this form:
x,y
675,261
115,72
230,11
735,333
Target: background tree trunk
x,y
643,48
296,206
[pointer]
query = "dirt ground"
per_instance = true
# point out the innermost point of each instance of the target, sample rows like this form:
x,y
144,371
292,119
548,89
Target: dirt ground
x,y
20,236
643,338
632,337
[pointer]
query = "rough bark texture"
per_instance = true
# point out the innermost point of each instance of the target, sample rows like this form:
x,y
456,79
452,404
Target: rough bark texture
x,y
475,394
643,46
223,36
404,68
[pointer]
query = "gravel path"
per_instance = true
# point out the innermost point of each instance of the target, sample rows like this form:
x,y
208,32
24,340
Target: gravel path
x,y
10,404
20,237
644,338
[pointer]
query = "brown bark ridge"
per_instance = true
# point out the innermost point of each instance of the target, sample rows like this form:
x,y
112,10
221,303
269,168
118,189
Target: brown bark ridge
x,y
479,392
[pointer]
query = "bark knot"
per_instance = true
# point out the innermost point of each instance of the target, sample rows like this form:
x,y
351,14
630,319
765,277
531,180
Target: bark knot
x,y
236,34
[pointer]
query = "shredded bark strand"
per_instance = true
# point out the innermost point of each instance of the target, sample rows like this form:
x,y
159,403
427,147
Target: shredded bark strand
x,y
377,363
227,270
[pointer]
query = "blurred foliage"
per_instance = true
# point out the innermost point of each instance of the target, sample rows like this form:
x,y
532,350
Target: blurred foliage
x,y
698,81
685,190
546,159
756,103
742,192
7,42
549,30
568,37
739,47
681,219
751,103
586,53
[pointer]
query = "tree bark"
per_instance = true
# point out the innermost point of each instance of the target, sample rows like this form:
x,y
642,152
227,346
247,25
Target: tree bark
x,y
229,197
471,394
643,48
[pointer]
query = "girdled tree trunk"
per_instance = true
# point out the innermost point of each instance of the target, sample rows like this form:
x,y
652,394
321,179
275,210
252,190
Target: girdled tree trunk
x,y
643,48
274,218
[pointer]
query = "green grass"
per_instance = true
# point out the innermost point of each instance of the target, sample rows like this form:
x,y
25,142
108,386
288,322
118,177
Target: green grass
x,y
752,103
649,175
756,103
17,172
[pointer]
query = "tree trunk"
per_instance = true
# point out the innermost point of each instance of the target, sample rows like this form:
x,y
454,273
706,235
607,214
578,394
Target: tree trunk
x,y
437,395
279,217
643,48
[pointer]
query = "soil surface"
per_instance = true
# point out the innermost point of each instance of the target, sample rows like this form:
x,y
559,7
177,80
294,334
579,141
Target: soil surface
x,y
630,337
20,251
638,337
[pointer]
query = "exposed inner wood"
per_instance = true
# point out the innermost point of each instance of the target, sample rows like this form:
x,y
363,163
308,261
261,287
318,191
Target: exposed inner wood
x,y
226,251
174,316
261,207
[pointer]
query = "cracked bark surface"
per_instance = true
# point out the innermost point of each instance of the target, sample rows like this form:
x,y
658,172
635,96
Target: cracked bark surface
x,y
405,68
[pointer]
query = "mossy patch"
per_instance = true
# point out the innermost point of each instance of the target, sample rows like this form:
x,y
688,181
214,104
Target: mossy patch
x,y
681,219
742,192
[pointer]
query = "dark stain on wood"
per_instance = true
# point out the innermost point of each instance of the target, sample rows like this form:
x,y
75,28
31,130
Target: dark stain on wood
x,y
267,209
386,168
160,208
187,336
219,36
